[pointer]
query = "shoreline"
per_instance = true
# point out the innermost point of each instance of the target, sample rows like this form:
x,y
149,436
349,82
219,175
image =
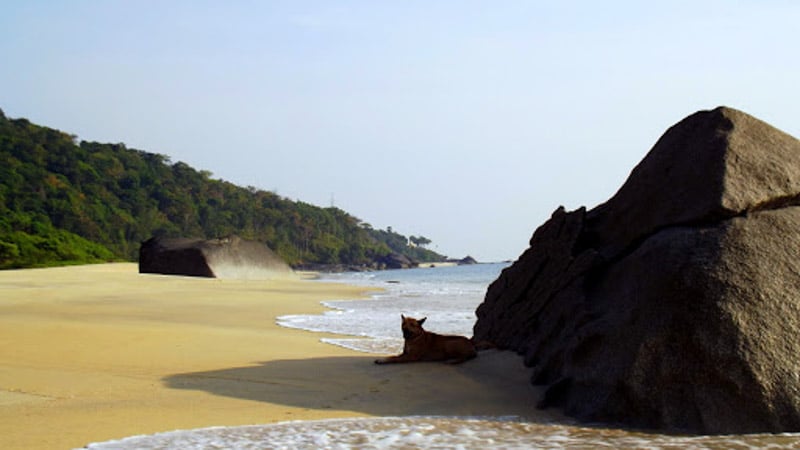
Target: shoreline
x,y
100,352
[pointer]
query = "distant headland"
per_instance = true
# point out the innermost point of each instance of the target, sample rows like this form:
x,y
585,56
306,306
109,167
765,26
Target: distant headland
x,y
65,201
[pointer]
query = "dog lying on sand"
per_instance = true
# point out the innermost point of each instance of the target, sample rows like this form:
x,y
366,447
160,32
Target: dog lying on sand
x,y
421,345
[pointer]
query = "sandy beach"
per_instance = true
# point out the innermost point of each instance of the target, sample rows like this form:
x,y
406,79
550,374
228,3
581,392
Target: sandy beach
x,y
93,353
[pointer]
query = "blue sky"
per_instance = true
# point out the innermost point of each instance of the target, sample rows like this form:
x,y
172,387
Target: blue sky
x,y
467,122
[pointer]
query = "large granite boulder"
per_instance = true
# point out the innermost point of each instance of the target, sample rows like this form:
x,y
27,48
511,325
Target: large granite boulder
x,y
676,304
230,257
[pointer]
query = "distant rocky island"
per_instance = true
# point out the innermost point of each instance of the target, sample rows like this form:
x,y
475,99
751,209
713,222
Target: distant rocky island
x,y
675,305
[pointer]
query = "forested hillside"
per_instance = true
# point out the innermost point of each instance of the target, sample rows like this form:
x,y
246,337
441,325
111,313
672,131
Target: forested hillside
x,y
64,201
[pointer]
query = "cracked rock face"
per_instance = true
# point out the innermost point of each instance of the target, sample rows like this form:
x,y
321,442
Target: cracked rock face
x,y
676,304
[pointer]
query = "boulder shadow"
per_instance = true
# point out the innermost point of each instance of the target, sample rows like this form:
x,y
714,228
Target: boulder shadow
x,y
494,384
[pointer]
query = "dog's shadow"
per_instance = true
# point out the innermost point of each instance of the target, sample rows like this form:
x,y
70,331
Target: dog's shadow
x,y
494,384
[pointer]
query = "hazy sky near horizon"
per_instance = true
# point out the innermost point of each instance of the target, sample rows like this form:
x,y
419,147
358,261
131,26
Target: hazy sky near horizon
x,y
468,122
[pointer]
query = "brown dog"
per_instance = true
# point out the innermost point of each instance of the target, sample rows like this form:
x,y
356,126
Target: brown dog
x,y
421,345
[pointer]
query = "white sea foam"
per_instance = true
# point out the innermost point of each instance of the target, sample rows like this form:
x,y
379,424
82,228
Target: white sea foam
x,y
434,432
447,296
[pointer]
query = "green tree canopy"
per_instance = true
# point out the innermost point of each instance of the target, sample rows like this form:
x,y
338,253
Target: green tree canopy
x,y
63,201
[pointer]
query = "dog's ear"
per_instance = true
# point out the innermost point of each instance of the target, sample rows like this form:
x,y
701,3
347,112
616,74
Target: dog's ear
x,y
402,317
421,321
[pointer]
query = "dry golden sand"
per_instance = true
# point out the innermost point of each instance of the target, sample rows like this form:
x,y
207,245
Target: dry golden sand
x,y
93,353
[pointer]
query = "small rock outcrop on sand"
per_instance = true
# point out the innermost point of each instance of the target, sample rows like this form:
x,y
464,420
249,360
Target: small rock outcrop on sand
x,y
676,304
230,257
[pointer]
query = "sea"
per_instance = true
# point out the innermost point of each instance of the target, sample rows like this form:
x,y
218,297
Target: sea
x,y
448,297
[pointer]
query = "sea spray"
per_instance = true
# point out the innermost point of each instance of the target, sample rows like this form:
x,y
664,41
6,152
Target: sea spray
x,y
435,432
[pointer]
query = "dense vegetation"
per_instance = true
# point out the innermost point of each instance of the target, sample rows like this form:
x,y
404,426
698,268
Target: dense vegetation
x,y
64,201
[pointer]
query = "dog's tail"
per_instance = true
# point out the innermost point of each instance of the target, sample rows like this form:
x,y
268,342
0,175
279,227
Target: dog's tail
x,y
482,345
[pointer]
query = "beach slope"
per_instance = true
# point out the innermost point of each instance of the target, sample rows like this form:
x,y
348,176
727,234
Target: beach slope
x,y
92,353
